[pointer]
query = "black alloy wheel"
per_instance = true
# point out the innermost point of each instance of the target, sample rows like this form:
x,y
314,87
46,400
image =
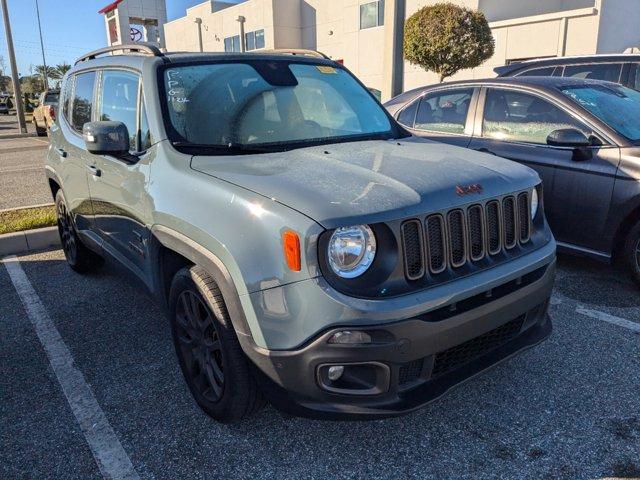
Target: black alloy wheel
x,y
200,345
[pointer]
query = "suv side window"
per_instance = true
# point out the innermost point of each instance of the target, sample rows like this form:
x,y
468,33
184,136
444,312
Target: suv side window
x,y
82,100
119,101
603,71
444,112
408,114
144,134
520,117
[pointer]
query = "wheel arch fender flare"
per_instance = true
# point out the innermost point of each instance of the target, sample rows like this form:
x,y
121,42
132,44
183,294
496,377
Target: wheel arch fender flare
x,y
198,255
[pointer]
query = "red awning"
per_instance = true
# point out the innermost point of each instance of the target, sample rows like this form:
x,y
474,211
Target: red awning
x,y
110,7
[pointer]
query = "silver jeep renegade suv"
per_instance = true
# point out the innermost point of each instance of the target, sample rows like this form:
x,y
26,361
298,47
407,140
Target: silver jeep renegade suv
x,y
307,249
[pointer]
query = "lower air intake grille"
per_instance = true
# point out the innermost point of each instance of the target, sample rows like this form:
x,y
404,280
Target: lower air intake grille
x,y
410,371
464,353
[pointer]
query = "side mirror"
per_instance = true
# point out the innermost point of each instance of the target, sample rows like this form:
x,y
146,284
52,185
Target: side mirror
x,y
106,138
571,138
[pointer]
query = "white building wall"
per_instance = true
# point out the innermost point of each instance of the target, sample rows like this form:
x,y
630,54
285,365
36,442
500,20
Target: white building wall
x,y
522,29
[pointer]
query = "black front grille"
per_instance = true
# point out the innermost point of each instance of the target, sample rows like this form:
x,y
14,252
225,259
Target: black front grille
x,y
476,232
493,227
435,239
509,213
457,242
410,371
413,256
464,236
523,217
459,355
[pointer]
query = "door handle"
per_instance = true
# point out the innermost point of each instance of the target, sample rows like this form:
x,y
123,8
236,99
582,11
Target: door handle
x,y
95,171
61,152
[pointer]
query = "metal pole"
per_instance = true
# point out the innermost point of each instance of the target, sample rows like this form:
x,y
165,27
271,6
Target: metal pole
x,y
393,59
243,46
44,62
14,68
199,22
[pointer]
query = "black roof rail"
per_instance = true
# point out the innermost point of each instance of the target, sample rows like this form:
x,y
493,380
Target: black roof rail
x,y
142,48
294,51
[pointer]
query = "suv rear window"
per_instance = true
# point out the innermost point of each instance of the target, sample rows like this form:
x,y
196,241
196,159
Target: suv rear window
x,y
273,104
82,100
51,98
602,71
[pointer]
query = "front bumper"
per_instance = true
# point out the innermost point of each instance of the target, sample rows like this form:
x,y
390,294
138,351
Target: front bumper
x,y
417,359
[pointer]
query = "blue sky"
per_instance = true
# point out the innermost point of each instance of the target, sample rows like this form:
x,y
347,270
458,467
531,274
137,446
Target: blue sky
x,y
69,28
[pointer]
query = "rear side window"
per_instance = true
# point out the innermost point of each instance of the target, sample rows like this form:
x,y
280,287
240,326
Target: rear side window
x,y
602,71
444,112
82,100
537,72
119,101
408,115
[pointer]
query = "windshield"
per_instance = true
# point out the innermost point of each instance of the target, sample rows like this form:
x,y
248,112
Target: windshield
x,y
615,105
268,103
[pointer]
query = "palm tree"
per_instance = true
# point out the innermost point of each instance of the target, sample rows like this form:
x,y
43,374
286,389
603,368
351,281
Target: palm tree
x,y
49,72
59,72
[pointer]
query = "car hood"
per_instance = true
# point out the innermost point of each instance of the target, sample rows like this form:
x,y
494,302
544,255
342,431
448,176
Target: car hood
x,y
370,181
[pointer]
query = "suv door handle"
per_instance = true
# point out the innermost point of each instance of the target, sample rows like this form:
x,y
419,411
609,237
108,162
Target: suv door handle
x,y
95,171
61,152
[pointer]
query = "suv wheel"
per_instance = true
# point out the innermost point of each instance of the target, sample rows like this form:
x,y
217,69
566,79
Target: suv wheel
x,y
212,361
79,257
40,131
632,252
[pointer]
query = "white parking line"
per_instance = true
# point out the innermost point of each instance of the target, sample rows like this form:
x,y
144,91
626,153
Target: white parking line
x,y
111,458
605,317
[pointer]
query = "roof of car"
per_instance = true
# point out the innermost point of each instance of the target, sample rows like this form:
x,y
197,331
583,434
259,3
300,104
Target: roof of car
x,y
542,82
578,59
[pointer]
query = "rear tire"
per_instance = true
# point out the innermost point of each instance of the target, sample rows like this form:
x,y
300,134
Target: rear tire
x,y
78,256
631,253
214,366
40,131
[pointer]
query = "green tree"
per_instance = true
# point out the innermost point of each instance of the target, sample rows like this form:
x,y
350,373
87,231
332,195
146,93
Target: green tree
x,y
445,38
32,84
50,71
59,72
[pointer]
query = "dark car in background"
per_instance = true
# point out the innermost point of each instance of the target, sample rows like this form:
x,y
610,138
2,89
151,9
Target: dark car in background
x,y
581,136
621,68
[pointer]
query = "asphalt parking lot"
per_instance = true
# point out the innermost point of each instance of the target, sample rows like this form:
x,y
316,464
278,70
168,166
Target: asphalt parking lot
x,y
567,409
22,177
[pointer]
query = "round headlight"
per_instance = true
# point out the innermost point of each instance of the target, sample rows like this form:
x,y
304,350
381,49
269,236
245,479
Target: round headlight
x,y
534,203
351,250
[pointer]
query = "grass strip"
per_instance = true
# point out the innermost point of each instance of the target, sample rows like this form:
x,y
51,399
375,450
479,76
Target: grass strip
x,y
21,219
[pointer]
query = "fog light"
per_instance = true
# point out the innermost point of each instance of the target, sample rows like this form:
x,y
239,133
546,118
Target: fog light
x,y
335,372
350,337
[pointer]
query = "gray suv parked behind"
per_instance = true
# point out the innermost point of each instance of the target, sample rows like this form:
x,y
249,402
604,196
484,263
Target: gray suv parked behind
x,y
307,248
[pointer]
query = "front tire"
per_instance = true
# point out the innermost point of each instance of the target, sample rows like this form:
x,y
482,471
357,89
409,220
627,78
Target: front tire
x,y
631,253
78,256
213,364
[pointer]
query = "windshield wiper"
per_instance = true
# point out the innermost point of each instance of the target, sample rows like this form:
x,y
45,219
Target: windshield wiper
x,y
230,149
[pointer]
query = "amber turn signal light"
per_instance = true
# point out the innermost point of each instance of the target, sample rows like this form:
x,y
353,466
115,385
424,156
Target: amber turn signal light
x,y
291,244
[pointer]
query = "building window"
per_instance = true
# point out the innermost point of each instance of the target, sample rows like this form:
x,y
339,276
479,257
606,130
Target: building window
x,y
232,44
254,40
372,14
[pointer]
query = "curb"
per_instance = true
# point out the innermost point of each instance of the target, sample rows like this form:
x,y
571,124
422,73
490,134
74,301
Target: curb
x,y
26,207
28,241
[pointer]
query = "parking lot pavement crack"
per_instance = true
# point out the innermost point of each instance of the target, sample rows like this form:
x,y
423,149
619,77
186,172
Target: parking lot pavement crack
x,y
112,460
